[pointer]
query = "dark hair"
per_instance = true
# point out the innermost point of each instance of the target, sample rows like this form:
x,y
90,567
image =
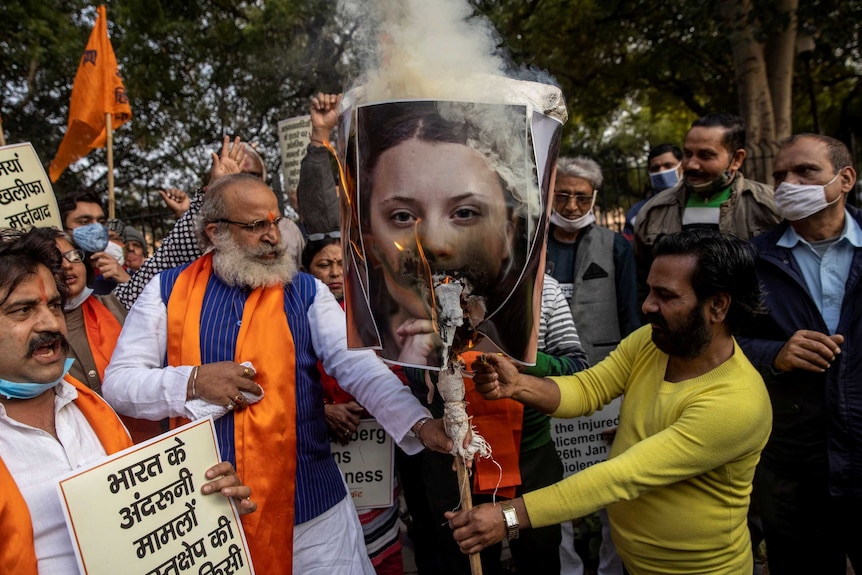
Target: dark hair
x,y
838,153
22,253
725,264
70,201
311,249
734,129
662,149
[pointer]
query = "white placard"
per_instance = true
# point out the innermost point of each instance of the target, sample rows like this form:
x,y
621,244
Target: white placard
x,y
26,196
142,511
293,138
367,463
580,441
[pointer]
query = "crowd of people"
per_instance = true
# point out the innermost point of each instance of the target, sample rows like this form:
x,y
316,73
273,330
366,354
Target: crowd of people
x,y
721,322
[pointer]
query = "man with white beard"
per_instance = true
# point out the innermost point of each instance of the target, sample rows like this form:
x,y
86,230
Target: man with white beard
x,y
238,333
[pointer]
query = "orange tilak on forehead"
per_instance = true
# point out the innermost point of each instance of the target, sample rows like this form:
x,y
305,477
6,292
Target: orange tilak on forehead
x,y
272,216
43,294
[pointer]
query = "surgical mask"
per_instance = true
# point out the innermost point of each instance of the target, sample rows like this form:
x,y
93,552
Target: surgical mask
x,y
116,252
16,390
572,225
75,302
796,202
91,238
713,186
665,179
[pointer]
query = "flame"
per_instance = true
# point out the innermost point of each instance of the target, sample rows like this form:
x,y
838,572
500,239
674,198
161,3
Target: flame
x,y
427,270
399,246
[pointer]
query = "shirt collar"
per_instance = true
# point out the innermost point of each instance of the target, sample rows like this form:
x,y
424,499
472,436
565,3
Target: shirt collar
x,y
851,232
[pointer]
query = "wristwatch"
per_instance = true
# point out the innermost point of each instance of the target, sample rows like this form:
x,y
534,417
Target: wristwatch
x,y
417,427
511,518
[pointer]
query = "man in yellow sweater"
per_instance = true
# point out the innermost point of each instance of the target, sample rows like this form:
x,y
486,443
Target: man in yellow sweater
x,y
695,419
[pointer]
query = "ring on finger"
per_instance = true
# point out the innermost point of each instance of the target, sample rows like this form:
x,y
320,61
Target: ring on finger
x,y
248,372
230,404
238,398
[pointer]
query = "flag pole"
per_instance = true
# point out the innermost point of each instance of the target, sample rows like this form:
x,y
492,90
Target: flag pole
x,y
110,145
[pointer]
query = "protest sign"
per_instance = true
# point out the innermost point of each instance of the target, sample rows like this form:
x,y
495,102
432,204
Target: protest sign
x,y
26,196
367,464
141,510
582,441
293,137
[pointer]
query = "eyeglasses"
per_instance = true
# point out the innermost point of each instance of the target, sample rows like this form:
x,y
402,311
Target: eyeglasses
x,y
256,227
74,256
580,199
320,236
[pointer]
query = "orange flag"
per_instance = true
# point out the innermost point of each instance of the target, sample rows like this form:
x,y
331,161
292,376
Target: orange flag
x,y
98,90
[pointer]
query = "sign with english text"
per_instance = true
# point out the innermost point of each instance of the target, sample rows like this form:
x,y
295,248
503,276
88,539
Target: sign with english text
x,y
367,463
585,441
142,510
26,196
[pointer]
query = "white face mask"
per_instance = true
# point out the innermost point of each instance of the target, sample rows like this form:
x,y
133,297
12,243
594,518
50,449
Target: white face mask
x,y
796,202
115,252
665,179
578,223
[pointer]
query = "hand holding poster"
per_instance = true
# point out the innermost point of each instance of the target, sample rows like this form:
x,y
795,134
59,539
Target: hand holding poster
x,y
142,510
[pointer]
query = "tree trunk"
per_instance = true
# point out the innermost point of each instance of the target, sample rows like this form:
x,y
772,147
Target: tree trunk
x,y
780,58
755,100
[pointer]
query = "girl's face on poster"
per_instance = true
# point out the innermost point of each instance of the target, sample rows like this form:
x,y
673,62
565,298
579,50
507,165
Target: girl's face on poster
x,y
446,196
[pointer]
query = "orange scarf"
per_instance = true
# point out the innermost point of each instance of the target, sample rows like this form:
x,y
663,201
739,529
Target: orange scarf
x,y
103,330
265,432
500,422
17,552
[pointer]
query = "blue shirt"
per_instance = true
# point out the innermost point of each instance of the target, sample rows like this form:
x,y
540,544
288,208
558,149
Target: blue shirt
x,y
826,275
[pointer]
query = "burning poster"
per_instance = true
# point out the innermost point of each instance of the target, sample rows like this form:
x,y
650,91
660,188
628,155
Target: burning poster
x,y
444,220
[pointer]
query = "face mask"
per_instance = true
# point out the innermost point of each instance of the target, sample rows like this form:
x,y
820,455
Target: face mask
x,y
796,202
664,180
76,302
572,225
115,252
16,390
714,186
91,238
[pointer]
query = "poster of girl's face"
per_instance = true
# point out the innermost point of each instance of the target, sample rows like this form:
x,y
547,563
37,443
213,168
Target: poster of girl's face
x,y
441,191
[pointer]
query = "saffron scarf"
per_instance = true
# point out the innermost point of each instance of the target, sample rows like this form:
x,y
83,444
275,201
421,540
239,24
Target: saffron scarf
x,y
103,330
265,432
17,551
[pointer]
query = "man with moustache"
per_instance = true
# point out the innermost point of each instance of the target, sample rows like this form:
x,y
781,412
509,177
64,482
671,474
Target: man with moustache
x,y
809,482
244,302
50,423
695,418
713,193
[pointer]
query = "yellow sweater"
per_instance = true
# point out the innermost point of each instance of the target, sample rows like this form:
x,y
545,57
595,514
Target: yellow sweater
x,y
677,483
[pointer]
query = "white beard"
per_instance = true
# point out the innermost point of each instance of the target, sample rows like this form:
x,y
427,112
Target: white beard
x,y
239,266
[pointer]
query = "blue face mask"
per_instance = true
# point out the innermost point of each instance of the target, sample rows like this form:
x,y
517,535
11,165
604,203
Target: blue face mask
x,y
91,238
664,180
17,390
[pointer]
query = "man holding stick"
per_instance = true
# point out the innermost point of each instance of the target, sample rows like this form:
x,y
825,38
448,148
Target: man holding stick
x,y
695,419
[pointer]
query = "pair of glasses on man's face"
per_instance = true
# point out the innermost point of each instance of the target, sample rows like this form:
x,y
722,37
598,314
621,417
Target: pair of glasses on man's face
x,y
255,227
74,256
581,200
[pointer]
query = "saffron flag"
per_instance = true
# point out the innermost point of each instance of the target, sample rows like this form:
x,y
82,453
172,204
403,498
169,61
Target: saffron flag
x,y
98,90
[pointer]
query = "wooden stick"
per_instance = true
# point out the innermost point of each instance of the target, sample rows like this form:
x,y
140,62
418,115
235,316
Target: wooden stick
x,y
2,135
109,126
467,504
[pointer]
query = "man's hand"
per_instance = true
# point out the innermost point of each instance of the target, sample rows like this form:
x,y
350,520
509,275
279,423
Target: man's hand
x,y
227,482
495,376
109,267
177,200
230,160
809,351
477,528
222,383
324,116
343,419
